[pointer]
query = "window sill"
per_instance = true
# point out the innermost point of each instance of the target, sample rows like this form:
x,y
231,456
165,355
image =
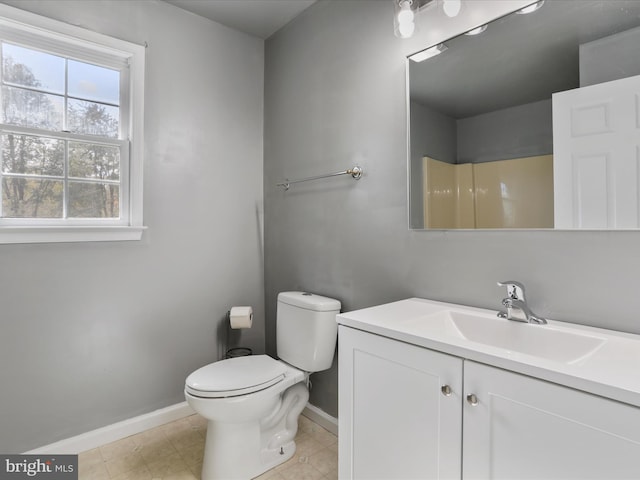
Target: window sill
x,y
67,234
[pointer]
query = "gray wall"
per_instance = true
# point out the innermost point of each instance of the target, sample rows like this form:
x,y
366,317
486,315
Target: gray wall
x,y
610,58
94,333
516,132
432,134
335,95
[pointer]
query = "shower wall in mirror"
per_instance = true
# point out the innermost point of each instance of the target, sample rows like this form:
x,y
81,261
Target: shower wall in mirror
x,y
533,122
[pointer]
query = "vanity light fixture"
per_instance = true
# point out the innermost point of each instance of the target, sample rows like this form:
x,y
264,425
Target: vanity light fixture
x,y
478,30
428,53
406,10
531,8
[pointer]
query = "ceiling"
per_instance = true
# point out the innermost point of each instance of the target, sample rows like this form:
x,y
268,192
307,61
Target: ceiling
x,y
260,18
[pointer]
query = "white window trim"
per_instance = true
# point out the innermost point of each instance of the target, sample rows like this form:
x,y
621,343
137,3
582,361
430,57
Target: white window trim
x,y
136,55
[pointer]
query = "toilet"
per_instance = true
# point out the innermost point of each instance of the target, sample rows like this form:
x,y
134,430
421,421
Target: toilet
x,y
252,403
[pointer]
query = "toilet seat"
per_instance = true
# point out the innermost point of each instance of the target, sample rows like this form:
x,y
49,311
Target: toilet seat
x,y
235,377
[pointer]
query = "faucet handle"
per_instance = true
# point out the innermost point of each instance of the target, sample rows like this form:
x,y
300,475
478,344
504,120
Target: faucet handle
x,y
515,290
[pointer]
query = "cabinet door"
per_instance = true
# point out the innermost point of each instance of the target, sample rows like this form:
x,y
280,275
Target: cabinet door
x,y
395,421
528,428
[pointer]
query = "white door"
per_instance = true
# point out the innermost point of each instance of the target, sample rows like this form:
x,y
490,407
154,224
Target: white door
x,y
596,148
524,428
396,420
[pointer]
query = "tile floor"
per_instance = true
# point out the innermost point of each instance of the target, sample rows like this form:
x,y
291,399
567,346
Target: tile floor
x,y
174,452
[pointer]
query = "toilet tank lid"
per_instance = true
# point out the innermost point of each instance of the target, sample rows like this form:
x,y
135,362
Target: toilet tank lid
x,y
310,301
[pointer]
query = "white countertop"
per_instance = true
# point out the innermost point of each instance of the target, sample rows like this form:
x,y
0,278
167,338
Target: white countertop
x,y
611,370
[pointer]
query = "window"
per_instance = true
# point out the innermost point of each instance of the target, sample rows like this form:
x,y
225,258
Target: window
x,y
70,132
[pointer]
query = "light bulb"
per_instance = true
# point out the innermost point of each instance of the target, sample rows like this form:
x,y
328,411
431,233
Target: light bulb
x,y
531,8
406,29
405,15
404,19
428,53
477,31
452,7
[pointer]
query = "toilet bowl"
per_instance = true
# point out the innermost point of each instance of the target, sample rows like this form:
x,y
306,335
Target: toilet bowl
x,y
252,418
252,403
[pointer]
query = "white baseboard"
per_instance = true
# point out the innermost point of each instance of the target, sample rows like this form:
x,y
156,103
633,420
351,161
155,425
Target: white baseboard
x,y
116,431
321,417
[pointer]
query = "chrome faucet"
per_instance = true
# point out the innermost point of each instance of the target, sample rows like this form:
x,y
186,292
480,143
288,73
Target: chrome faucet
x,y
516,305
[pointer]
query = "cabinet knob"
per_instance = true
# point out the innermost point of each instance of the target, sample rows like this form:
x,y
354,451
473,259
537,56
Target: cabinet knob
x,y
472,400
446,390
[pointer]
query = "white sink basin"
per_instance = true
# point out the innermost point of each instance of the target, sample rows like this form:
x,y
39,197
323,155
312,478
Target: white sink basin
x,y
595,360
545,341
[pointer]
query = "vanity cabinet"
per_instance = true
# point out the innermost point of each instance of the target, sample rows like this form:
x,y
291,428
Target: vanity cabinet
x,y
406,413
396,420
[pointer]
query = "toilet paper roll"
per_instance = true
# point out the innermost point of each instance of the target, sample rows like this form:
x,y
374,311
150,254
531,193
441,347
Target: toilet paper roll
x,y
241,317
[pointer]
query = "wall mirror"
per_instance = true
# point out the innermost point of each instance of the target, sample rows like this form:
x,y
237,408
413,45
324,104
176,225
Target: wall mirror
x,y
533,122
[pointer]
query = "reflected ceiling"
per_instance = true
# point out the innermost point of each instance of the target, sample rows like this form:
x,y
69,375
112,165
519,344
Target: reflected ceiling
x,y
462,89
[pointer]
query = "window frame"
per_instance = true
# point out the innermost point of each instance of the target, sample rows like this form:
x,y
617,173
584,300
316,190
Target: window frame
x,y
61,38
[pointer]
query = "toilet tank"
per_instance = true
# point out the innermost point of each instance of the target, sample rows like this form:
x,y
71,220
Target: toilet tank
x,y
306,330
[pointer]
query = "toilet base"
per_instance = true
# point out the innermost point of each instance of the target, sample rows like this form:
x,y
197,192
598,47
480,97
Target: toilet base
x,y
230,451
245,450
233,463
272,458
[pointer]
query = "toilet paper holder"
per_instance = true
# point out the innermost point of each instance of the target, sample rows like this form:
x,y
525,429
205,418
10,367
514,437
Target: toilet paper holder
x,y
233,352
238,352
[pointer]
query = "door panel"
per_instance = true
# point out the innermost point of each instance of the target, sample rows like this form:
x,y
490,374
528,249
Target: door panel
x,y
596,138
